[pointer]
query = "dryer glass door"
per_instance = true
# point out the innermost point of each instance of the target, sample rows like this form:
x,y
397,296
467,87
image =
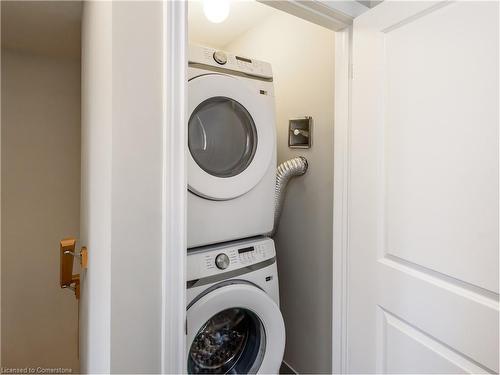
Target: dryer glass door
x,y
222,137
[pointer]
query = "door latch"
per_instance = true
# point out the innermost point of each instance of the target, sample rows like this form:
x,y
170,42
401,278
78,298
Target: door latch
x,y
68,280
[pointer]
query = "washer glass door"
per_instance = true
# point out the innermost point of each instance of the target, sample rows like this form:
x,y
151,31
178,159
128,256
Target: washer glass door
x,y
234,327
233,340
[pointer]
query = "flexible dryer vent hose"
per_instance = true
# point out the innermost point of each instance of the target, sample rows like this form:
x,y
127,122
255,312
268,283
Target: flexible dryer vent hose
x,y
286,170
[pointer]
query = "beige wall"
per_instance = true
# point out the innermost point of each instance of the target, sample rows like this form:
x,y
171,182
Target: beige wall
x,y
40,174
302,56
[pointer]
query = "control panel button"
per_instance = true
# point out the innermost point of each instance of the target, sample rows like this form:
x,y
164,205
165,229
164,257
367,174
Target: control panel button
x,y
220,57
222,261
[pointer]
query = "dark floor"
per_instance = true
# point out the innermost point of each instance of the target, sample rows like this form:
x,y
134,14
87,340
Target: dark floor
x,y
284,369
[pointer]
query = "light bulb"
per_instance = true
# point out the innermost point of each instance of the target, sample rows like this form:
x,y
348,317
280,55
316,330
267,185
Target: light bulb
x,y
216,11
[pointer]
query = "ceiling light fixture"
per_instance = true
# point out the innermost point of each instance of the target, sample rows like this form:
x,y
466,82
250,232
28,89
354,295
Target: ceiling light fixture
x,y
216,11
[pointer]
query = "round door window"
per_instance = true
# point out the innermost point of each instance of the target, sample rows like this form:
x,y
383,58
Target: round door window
x,y
231,341
222,137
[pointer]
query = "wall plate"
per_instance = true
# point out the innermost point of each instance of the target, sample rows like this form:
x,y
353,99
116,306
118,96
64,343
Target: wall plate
x,y
300,132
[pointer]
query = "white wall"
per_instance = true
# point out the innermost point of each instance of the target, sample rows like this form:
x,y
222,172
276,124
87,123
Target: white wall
x,y
40,205
302,56
136,187
122,186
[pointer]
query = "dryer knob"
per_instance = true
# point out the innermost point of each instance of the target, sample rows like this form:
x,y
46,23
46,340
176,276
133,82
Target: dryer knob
x,y
222,261
220,57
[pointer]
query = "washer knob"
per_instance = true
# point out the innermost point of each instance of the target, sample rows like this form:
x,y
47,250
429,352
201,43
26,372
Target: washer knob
x,y
222,261
220,57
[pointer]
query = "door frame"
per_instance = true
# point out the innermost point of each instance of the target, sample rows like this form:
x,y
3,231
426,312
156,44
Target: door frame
x,y
174,202
341,172
174,190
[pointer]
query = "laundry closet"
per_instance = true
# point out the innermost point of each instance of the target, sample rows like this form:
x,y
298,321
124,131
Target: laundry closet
x,y
300,57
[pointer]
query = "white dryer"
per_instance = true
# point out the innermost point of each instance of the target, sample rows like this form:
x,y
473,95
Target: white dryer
x,y
231,147
234,324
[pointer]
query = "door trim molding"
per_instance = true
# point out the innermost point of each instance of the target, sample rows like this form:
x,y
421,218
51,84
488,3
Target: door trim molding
x,y
334,15
174,189
341,172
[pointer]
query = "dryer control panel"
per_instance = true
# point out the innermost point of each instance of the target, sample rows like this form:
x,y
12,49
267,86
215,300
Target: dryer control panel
x,y
213,260
225,60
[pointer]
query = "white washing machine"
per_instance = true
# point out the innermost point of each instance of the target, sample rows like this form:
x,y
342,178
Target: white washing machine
x,y
232,147
234,324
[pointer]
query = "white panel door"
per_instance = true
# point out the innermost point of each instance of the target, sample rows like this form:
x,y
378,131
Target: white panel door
x,y
423,225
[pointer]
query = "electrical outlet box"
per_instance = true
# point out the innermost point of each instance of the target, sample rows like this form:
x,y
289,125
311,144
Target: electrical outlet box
x,y
299,132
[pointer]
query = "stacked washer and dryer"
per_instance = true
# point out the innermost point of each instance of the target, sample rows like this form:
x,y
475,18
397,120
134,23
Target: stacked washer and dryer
x,y
234,324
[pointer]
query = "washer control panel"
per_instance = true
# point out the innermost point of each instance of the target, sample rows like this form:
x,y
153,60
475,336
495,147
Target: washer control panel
x,y
222,261
212,260
221,59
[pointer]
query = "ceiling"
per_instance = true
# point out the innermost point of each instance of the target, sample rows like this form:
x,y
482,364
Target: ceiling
x,y
50,28
54,27
243,15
